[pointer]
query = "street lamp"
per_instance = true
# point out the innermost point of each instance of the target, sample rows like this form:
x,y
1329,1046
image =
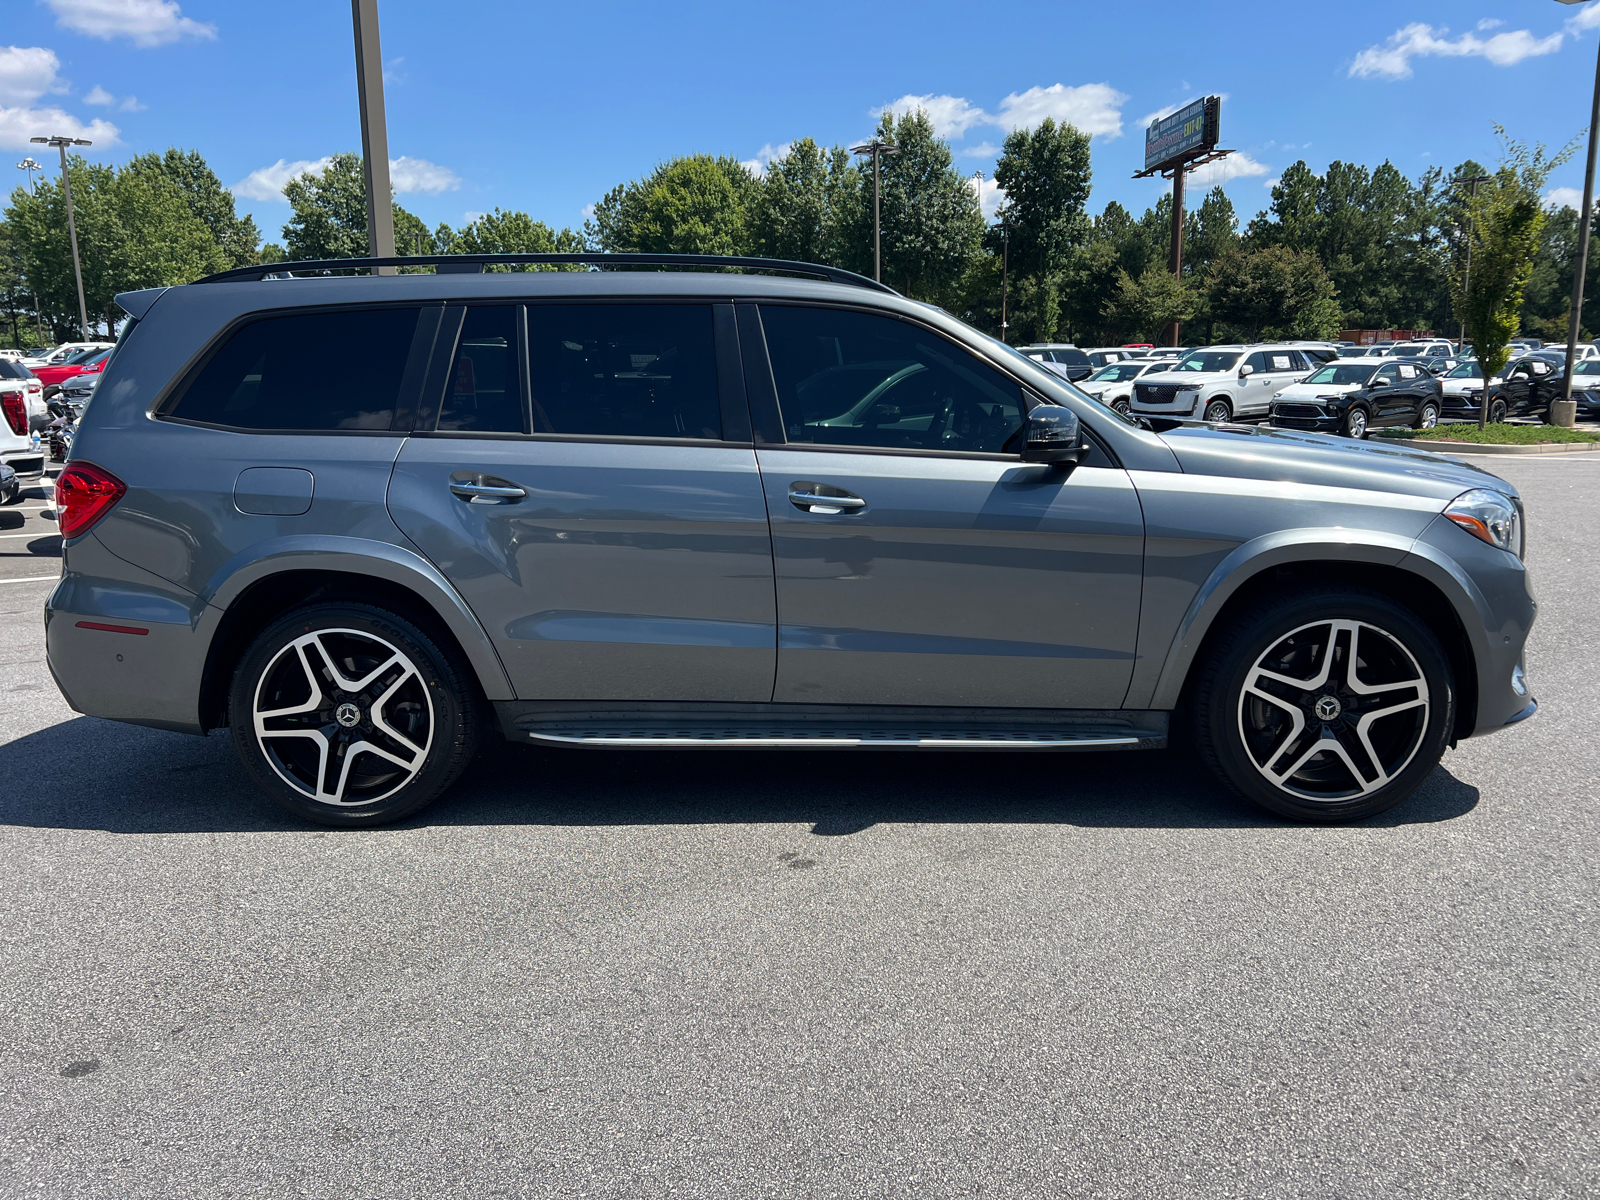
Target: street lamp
x,y
61,144
30,166
876,147
1564,411
1005,268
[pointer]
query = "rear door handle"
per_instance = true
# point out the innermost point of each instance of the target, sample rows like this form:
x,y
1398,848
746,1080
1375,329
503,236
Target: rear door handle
x,y
816,498
485,489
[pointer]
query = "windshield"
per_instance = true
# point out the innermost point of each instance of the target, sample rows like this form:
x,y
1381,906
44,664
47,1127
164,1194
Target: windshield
x,y
1466,370
97,356
1212,360
1591,367
1408,348
1357,373
1116,373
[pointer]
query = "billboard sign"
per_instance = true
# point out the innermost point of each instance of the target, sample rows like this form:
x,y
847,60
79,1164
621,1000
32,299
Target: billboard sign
x,y
1193,128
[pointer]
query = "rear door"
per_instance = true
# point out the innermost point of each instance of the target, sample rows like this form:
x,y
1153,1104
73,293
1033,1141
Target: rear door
x,y
919,560
584,475
1399,404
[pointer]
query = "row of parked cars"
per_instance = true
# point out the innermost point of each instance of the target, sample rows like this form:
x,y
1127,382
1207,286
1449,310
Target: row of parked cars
x,y
39,389
1323,386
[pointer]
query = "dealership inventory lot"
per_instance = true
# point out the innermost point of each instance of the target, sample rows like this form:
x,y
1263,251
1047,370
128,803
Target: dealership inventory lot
x,y
595,973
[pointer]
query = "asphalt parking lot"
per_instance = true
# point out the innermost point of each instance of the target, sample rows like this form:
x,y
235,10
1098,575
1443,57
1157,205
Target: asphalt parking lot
x,y
749,975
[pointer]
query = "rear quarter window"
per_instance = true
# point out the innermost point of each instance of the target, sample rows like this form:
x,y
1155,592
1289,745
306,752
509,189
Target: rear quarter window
x,y
323,371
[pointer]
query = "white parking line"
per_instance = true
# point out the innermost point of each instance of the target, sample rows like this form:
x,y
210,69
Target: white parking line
x,y
31,579
41,533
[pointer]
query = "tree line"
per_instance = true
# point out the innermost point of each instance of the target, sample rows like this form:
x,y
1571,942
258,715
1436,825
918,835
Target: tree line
x,y
1351,247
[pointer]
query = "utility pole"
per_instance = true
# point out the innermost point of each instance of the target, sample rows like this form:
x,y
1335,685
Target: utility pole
x,y
374,132
1472,182
1005,271
30,167
876,147
61,144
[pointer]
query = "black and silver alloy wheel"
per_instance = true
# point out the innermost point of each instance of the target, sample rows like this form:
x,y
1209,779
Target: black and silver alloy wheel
x,y
1355,423
343,717
1324,704
350,715
1429,417
1333,711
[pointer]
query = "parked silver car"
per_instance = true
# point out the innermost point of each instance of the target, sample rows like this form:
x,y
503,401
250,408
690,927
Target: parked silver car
x,y
723,511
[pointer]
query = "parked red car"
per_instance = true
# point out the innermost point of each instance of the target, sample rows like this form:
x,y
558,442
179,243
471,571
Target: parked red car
x,y
89,364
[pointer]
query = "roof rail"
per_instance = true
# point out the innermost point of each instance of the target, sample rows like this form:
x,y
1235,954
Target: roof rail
x,y
473,264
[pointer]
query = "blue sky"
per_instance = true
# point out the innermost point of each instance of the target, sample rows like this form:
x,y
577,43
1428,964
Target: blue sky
x,y
544,107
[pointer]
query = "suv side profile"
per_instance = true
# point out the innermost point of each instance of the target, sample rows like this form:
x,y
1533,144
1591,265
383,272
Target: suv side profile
x,y
675,509
1220,383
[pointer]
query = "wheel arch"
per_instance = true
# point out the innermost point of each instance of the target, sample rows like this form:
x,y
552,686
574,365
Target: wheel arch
x,y
241,602
1385,563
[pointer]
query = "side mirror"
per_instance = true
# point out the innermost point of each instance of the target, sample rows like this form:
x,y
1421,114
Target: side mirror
x,y
1053,436
1377,383
1247,369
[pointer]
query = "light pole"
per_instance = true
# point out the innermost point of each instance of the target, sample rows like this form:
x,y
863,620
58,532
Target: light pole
x,y
374,132
61,144
876,147
30,166
1564,411
1005,270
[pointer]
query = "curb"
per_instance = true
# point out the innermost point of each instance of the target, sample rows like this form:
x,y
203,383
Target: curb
x,y
1448,447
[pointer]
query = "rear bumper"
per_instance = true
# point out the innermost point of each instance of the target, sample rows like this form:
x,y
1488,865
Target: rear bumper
x,y
24,462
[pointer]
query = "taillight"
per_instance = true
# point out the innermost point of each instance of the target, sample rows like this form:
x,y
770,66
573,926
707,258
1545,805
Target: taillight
x,y
16,413
84,494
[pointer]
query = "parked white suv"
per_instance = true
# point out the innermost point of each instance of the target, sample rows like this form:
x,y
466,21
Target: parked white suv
x,y
63,352
1220,383
1112,384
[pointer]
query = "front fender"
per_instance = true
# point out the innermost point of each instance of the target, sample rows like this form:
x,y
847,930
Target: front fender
x,y
357,556
1246,561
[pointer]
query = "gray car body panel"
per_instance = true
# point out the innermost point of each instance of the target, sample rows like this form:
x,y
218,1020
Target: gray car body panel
x,y
1211,506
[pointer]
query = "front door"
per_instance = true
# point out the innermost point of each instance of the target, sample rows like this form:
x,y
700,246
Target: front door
x,y
919,560
581,499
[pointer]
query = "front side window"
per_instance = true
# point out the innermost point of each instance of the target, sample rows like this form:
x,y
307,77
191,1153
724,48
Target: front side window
x,y
857,379
1390,374
624,370
279,373
484,393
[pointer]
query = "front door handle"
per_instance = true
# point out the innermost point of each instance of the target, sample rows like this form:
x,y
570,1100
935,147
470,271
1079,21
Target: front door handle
x,y
485,489
824,500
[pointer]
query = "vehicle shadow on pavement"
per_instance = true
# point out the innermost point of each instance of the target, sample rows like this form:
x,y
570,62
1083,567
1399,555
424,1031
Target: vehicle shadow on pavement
x,y
91,774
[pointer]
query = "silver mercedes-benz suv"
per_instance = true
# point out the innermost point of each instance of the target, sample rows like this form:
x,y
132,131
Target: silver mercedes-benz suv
x,y
717,510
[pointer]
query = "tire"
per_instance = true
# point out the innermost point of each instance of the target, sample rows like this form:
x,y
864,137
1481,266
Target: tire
x,y
1354,424
1428,418
1260,731
1497,410
1121,407
410,741
1218,412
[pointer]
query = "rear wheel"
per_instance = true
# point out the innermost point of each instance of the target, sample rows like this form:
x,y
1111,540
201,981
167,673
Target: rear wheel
x,y
1325,705
1219,412
350,715
1355,423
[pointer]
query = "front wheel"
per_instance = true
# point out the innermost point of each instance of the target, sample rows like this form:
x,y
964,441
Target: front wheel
x,y
1428,418
1219,412
1121,407
1355,423
1497,411
350,715
1325,704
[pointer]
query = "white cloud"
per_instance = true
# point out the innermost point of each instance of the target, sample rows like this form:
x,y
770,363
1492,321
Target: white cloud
x,y
764,158
1563,197
981,150
1093,107
1392,59
467,218
990,194
27,72
952,116
1224,170
588,212
266,183
392,74
98,95
420,175
1269,184
1586,17
147,22
19,124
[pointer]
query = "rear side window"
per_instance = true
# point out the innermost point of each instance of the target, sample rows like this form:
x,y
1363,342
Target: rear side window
x,y
855,379
624,370
484,394
1072,358
313,371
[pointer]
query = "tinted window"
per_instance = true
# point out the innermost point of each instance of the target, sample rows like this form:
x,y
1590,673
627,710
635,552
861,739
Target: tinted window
x,y
1407,371
10,370
628,370
854,379
281,373
1391,373
1280,362
1257,361
1072,358
485,388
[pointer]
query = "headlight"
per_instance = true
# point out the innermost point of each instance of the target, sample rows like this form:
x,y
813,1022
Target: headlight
x,y
1489,516
1189,387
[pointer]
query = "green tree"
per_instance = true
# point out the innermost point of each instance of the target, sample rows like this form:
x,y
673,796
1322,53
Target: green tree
x,y
1507,219
207,199
330,214
803,207
1046,176
516,233
692,205
1141,308
1276,292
